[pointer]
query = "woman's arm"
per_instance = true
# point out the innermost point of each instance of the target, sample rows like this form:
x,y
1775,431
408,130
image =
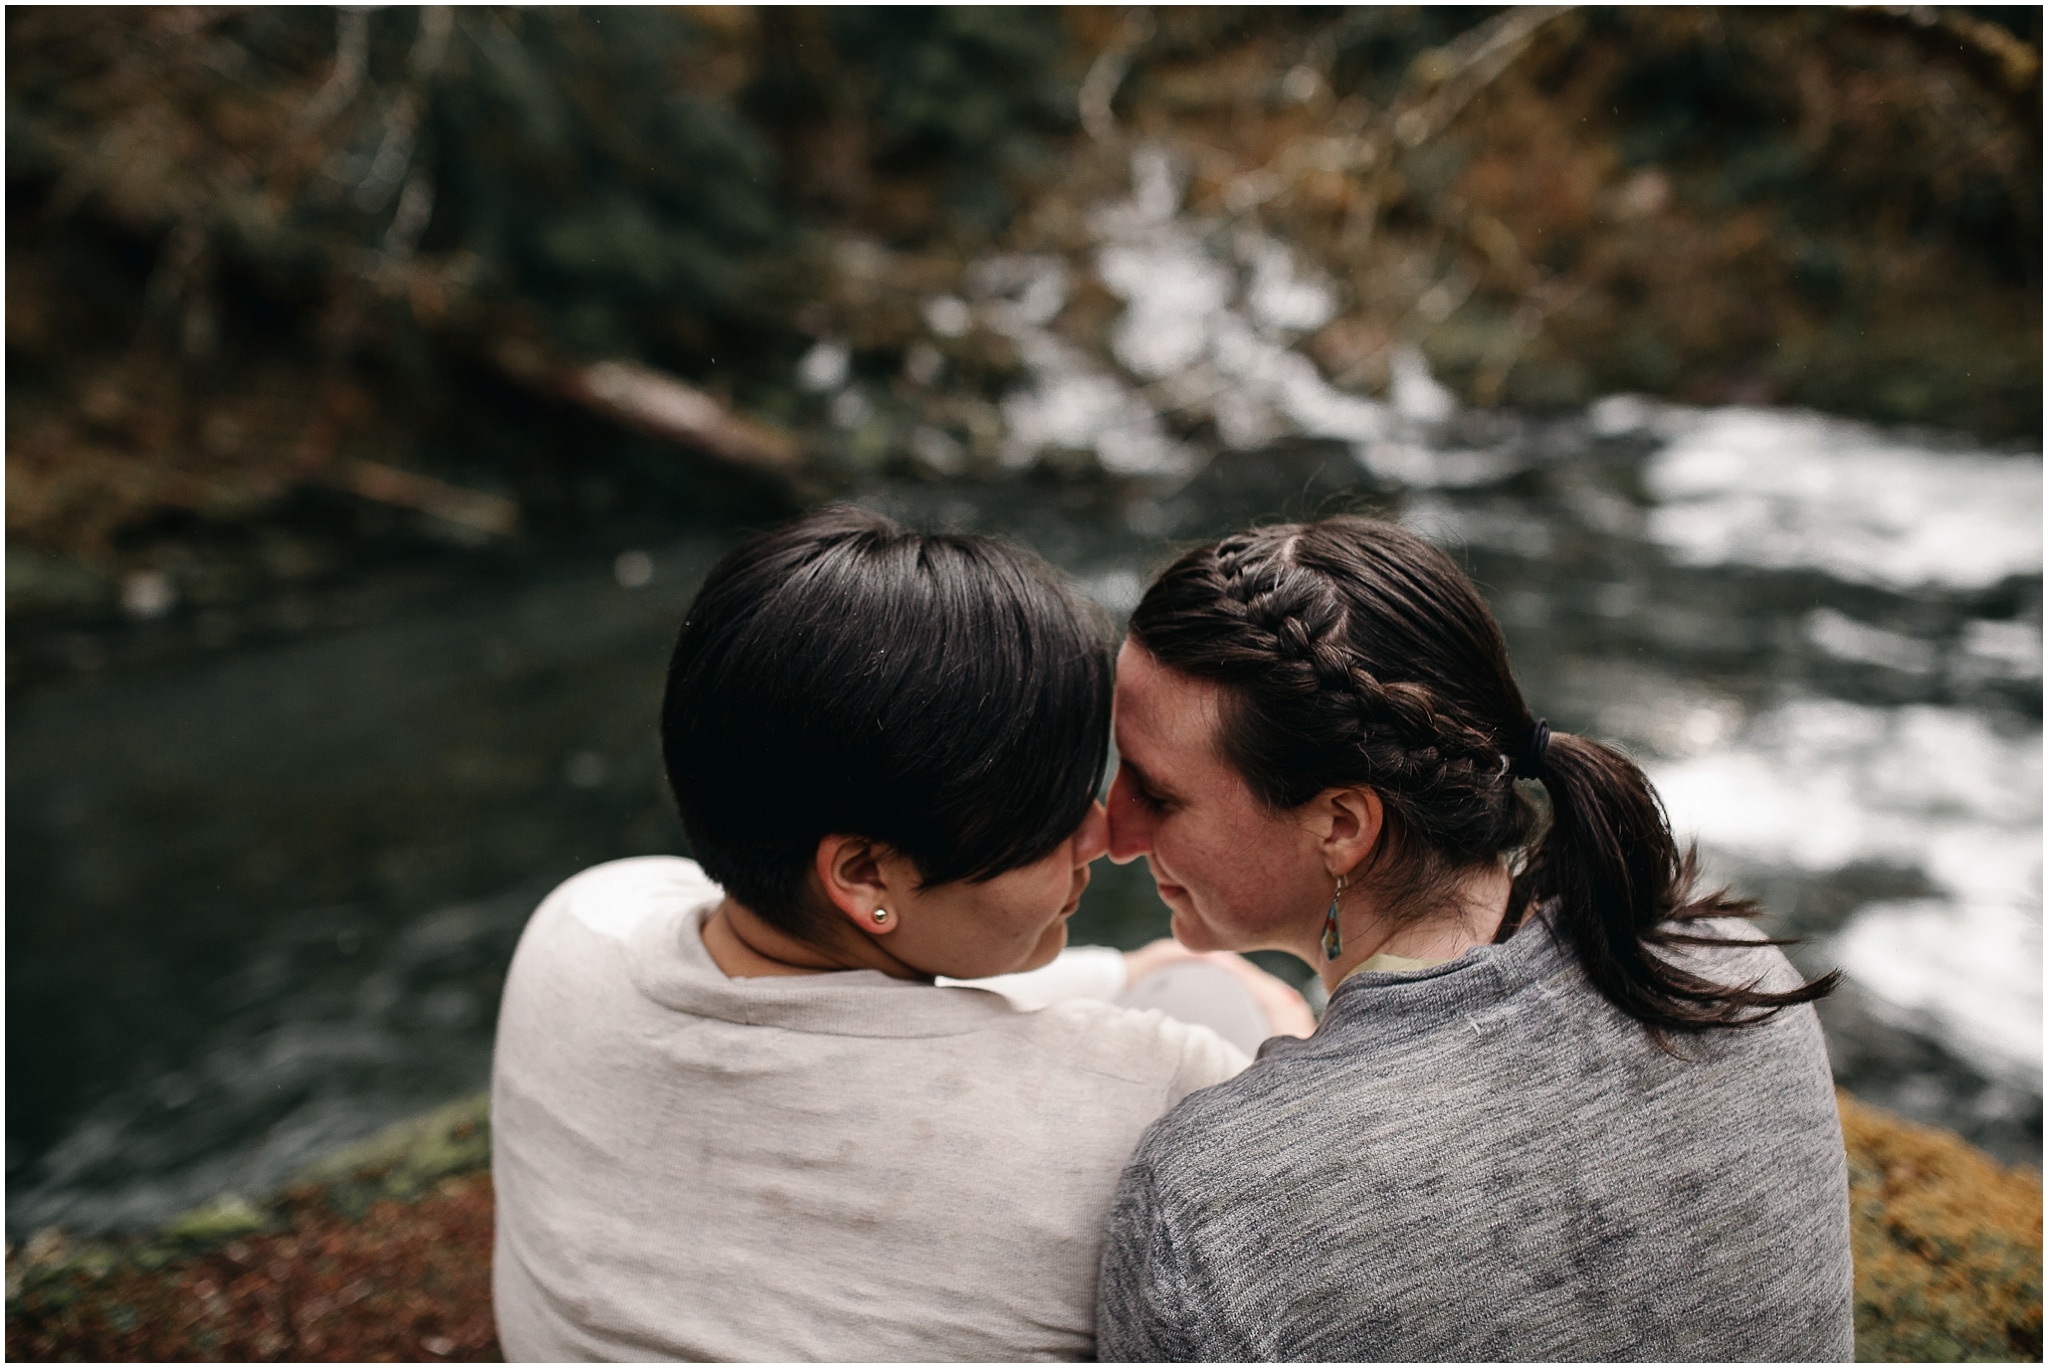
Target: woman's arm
x,y
1285,1008
1082,971
1094,971
1141,1311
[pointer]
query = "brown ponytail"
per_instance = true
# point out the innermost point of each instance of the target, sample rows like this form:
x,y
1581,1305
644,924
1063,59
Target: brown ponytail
x,y
1353,652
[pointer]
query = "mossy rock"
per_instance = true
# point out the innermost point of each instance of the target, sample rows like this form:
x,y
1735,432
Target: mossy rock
x,y
223,1218
1947,1245
406,1159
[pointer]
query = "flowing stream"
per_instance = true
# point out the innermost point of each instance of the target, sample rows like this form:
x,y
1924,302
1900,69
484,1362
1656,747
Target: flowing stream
x,y
261,900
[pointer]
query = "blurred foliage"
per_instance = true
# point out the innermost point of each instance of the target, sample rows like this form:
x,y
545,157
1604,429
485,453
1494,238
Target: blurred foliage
x,y
244,241
914,116
1827,207
250,249
577,173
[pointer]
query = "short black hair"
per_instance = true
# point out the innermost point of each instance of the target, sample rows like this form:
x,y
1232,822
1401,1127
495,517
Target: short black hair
x,y
945,695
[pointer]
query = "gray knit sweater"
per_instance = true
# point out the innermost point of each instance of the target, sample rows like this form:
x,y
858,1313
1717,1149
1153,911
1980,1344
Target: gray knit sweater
x,y
1484,1160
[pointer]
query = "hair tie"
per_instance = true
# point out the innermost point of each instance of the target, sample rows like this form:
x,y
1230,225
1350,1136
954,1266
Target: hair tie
x,y
1529,764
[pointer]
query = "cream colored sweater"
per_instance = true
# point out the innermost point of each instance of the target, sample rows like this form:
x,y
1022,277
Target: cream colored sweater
x,y
842,1166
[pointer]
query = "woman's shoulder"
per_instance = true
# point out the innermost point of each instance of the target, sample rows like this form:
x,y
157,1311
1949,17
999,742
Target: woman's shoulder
x,y
585,930
1553,998
1730,950
1211,1160
1516,1033
614,897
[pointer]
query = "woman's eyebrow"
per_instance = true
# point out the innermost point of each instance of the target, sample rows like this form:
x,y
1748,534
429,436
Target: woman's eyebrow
x,y
1145,781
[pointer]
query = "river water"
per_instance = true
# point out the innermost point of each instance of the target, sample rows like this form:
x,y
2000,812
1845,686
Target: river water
x,y
261,900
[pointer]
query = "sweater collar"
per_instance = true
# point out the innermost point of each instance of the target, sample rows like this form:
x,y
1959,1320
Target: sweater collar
x,y
1475,983
671,966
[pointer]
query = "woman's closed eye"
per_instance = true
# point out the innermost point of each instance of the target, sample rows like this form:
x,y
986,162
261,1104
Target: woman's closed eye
x,y
1146,798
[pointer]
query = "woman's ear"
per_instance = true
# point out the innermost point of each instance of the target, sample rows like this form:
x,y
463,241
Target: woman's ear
x,y
1353,820
850,869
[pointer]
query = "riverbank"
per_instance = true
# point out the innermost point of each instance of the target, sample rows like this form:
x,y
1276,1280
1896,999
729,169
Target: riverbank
x,y
380,1254
383,1253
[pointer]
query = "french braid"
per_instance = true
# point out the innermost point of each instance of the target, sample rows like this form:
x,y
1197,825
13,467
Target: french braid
x,y
1286,642
1355,654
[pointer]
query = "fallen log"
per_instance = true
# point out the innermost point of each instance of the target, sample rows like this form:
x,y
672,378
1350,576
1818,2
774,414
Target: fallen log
x,y
652,401
488,514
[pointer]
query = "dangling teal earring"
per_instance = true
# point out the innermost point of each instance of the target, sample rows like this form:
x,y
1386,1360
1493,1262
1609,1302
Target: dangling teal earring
x,y
1333,939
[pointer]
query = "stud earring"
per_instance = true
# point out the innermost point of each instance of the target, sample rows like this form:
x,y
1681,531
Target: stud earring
x,y
880,914
1333,938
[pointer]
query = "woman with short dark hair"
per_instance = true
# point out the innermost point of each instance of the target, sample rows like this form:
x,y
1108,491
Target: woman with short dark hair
x,y
738,1112
1558,1107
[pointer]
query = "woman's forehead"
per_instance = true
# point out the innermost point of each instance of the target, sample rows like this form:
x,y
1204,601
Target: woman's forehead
x,y
1166,721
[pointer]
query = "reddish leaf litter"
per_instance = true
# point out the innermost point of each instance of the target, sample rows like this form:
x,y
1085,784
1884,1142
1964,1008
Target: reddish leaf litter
x,y
403,1281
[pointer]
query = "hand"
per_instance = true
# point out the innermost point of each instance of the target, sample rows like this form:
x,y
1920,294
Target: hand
x,y
1149,959
1286,1010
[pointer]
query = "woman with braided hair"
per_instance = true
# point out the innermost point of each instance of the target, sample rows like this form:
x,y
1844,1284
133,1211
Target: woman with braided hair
x,y
1562,1105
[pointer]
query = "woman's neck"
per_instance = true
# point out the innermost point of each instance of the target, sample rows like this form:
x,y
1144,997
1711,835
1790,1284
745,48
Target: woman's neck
x,y
743,945
1473,917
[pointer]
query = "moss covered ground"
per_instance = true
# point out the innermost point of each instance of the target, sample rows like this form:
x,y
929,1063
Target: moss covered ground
x,y
383,1254
1947,1244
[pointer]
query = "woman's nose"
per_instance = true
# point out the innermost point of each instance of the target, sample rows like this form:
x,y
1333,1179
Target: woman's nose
x,y
1093,837
1129,830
